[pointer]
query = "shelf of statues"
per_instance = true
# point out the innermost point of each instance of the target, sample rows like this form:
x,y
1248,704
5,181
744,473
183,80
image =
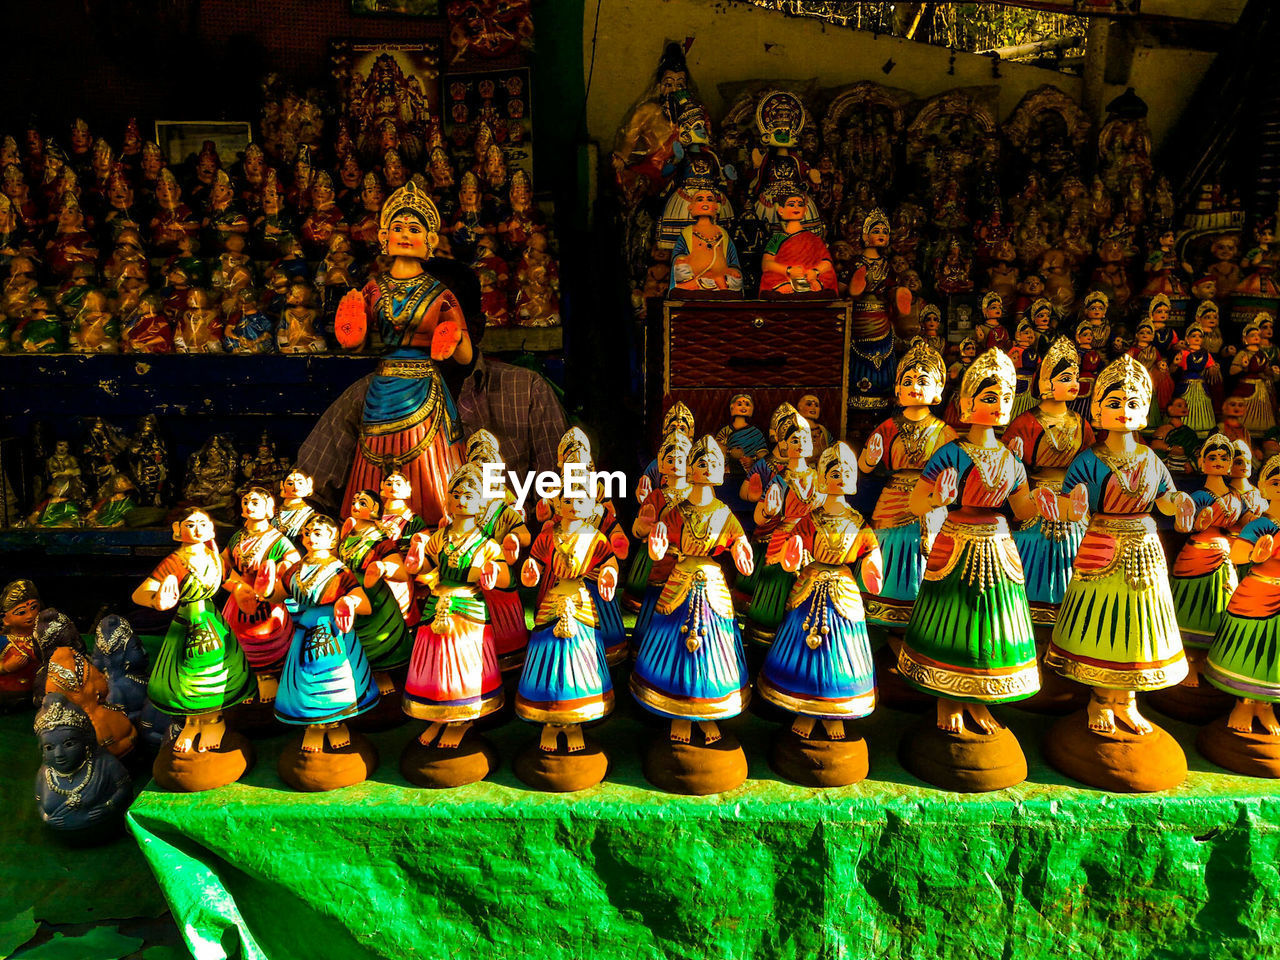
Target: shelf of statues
x,y
106,251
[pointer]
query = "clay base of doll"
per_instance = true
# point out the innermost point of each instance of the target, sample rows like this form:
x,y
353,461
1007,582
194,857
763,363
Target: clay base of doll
x,y
894,692
813,762
198,770
439,768
1254,754
697,768
254,719
964,762
1122,762
562,772
1198,704
330,768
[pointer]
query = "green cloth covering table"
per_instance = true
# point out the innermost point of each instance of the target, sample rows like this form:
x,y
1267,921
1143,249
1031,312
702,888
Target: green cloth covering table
x,y
888,868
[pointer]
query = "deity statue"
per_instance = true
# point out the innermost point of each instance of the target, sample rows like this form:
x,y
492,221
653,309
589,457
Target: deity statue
x,y
876,294
19,608
795,261
81,791
119,655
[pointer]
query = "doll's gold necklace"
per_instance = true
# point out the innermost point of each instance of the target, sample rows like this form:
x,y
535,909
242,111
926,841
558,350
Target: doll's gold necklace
x,y
988,461
74,794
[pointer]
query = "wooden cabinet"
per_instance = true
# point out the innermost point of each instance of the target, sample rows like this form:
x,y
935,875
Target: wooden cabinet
x,y
773,350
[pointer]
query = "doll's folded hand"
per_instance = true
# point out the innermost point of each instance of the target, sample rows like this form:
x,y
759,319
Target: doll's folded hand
x,y
658,542
643,489
264,584
489,574
755,488
1016,447
1186,512
372,575
542,511
416,555
742,557
682,272
773,501
944,492
351,322
1079,502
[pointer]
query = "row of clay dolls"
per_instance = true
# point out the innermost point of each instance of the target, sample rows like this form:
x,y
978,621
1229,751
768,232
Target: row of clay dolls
x,y
317,635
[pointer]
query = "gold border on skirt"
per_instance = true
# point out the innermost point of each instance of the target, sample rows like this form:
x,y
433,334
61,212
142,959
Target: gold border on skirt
x,y
1155,677
453,713
722,709
851,708
1014,683
598,710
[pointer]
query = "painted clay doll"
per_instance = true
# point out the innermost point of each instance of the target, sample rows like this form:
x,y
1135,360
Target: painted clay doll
x,y
672,487
1166,339
704,259
1202,581
503,523
1174,441
820,665
743,444
409,422
19,608
384,633
565,679
113,509
1234,409
95,329
121,658
1242,659
398,520
263,629
795,261
1195,365
146,328
1207,317
990,331
81,790
966,353
787,500
294,511
199,327
1260,262
58,510
1046,439
1025,354
200,670
810,407
645,142
1148,354
1117,631
297,330
454,678
970,642
69,672
326,679
690,669
1257,372
899,448
1254,503
877,294
1094,309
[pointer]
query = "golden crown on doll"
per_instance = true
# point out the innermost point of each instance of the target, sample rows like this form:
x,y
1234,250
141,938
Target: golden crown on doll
x,y
410,197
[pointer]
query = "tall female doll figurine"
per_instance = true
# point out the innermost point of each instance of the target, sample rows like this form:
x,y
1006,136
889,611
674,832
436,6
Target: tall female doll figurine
x,y
970,641
453,677
657,474
200,670
565,681
262,628
673,486
820,667
1117,630
1202,581
900,447
1046,439
1256,371
1195,367
1244,658
690,668
503,523
409,423
326,680
878,294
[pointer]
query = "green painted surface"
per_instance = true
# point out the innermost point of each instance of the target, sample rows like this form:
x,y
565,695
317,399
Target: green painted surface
x,y
887,868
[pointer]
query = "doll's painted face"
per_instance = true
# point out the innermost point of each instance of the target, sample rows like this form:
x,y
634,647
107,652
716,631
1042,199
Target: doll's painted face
x,y
1233,408
196,527
1241,462
1042,320
841,476
256,506
671,81
469,194
395,486
1123,409
792,208
1065,385
1144,335
992,406
349,173
1268,485
700,471
877,236
742,407
967,352
800,442
168,194
1178,407
64,749
674,463
1216,462
372,196
809,407
993,311
917,388
321,193
364,507
407,236
296,485
1160,316
21,618
464,499
1265,330
1025,336
1084,338
319,536
1253,337
929,326
578,507
704,203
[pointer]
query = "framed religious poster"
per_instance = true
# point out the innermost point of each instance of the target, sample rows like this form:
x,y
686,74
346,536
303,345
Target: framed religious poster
x,y
489,108
390,96
395,8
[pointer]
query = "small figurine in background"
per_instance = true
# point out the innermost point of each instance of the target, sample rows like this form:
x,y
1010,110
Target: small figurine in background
x,y
146,328
820,665
990,330
704,259
41,329
121,658
1194,366
398,520
211,474
1256,372
19,608
253,330
1145,351
537,302
1165,273
149,462
95,328
58,509
1117,631
1025,354
82,791
297,331
326,679
1244,656
1175,442
1224,269
565,679
113,509
200,670
199,329
325,220
294,512
690,668
877,295
970,641
1234,409
796,260
743,444
1255,505
263,629
1260,262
